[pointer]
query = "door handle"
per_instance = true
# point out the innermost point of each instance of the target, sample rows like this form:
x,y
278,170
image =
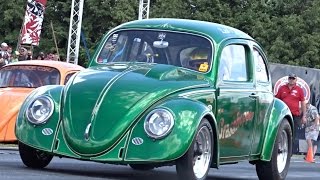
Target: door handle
x,y
253,95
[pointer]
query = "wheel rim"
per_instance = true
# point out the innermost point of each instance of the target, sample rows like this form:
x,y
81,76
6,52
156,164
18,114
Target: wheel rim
x,y
202,152
282,151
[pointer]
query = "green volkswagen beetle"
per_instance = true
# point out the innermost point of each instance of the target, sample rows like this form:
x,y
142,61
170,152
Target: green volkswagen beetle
x,y
161,92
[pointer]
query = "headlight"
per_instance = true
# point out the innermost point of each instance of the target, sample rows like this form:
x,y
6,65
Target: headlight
x,y
40,110
158,123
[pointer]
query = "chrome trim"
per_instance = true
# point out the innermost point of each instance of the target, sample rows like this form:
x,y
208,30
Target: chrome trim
x,y
196,92
86,132
137,141
150,134
47,131
49,115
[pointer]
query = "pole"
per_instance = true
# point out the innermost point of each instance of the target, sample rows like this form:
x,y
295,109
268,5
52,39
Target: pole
x,y
75,31
143,9
55,40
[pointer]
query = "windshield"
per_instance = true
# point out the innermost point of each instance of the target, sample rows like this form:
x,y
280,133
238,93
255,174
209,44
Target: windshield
x,y
28,76
172,48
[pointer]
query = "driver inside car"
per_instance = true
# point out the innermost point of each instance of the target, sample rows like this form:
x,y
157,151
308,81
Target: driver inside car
x,y
198,57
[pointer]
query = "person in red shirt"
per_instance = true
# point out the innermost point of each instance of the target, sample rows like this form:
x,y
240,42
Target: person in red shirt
x,y
293,96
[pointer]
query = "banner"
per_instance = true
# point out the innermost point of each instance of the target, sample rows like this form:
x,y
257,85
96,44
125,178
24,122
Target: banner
x,y
32,25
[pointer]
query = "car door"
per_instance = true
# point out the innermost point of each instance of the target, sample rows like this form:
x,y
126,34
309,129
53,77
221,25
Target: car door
x,y
236,100
264,92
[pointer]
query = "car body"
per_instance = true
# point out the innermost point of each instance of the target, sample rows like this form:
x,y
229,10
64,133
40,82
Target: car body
x,y
164,92
18,79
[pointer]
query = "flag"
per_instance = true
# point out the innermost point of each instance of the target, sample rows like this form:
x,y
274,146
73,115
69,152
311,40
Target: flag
x,y
32,24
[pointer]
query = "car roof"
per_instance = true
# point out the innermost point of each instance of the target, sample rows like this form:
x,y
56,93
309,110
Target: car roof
x,y
62,66
217,32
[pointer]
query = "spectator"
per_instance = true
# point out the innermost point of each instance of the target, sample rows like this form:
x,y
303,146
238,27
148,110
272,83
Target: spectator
x,y
29,55
4,49
2,62
49,56
41,56
6,58
293,95
55,57
22,54
9,54
312,127
4,53
15,56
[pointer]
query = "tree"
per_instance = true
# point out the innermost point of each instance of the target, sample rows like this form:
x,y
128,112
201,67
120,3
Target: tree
x,y
288,30
11,22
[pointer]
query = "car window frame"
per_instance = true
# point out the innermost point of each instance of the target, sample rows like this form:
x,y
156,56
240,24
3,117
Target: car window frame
x,y
261,53
68,76
167,54
249,61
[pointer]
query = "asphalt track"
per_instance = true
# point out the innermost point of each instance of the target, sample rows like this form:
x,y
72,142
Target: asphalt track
x,y
12,168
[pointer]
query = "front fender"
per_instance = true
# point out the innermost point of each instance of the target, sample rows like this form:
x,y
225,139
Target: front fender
x,y
7,124
187,114
39,136
278,112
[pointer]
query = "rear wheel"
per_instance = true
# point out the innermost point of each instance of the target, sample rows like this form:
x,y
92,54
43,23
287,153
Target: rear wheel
x,y
195,163
32,157
277,167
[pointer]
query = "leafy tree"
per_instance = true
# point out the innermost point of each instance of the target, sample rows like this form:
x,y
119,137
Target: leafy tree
x,y
288,30
11,21
56,22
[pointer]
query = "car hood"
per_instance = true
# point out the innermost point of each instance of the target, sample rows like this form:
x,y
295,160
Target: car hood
x,y
101,103
11,100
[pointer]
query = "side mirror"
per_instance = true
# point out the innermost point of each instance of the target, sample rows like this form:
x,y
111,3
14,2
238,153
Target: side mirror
x,y
160,44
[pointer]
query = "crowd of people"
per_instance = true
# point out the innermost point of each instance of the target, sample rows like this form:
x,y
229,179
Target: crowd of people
x,y
305,117
8,56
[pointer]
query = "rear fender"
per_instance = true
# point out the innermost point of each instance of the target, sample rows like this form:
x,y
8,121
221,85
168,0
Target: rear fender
x,y
278,112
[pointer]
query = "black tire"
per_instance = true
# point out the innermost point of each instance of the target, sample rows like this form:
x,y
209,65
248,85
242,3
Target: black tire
x,y
32,157
275,169
185,165
141,167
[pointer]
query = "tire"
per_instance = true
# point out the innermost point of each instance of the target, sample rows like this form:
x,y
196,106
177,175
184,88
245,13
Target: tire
x,y
277,167
141,167
195,163
32,157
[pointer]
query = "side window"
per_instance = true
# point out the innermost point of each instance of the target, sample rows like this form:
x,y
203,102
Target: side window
x,y
5,78
233,64
68,76
261,67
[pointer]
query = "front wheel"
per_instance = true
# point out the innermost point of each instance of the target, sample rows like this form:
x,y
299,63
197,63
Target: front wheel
x,y
195,163
277,167
32,157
